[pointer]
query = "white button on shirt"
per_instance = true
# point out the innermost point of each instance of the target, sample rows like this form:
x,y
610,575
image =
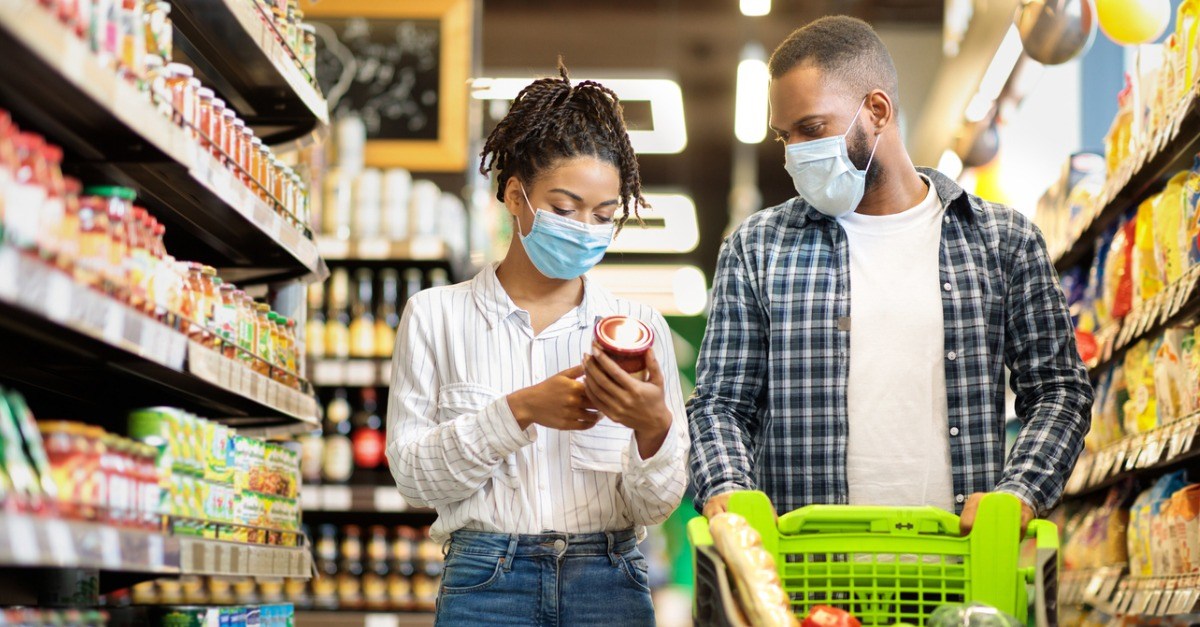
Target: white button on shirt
x,y
454,444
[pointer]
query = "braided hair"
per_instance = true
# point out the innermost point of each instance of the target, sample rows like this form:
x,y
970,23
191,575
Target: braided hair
x,y
552,120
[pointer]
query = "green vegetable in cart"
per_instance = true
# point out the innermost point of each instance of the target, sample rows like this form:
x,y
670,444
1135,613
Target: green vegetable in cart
x,y
973,615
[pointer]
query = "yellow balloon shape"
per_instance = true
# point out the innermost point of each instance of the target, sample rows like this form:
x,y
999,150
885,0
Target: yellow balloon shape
x,y
1131,22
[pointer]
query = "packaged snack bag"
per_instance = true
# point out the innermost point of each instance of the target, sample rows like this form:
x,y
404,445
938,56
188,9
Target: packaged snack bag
x,y
1118,275
1188,511
1147,275
1172,392
1094,290
1192,197
1141,410
1169,229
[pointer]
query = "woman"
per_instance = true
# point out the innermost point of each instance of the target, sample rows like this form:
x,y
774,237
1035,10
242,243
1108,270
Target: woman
x,y
545,462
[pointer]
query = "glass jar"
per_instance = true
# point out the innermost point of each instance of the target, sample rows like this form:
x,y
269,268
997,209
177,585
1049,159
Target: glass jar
x,y
27,191
178,79
216,128
193,302
67,451
245,325
263,346
51,217
193,86
93,242
268,174
247,155
256,165
209,284
226,321
228,134
152,82
204,113
68,236
298,200
237,148
117,203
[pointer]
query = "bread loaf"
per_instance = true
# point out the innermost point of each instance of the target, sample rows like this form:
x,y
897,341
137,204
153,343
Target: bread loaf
x,y
753,569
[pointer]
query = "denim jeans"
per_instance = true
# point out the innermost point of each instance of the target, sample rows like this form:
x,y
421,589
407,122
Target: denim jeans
x,y
545,580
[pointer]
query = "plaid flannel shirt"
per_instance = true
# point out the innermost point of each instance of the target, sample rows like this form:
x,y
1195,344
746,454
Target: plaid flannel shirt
x,y
770,411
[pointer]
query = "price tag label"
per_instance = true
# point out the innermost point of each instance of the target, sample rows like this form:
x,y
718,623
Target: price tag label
x,y
381,620
389,499
1151,451
22,536
338,498
1134,453
1188,436
58,298
1111,580
361,373
385,372
332,248
155,551
110,548
1118,463
310,498
328,373
114,324
62,542
426,247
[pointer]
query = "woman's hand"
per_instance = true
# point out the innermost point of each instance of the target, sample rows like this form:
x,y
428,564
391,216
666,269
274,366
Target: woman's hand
x,y
639,405
559,402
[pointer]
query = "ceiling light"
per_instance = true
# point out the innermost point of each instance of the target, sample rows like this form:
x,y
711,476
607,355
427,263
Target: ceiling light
x,y
668,133
750,110
679,231
755,8
1002,65
978,108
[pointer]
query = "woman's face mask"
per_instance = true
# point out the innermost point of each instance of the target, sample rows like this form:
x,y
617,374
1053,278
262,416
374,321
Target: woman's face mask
x,y
562,248
824,175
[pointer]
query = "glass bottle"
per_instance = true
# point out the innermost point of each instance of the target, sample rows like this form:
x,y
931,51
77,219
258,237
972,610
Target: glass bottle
x,y
374,587
246,326
350,570
368,439
194,302
339,452
362,321
324,585
263,346
209,281
93,242
50,220
388,316
412,282
314,328
402,569
225,320
337,325
68,252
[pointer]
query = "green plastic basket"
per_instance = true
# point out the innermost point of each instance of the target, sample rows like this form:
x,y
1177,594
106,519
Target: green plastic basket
x,y
886,565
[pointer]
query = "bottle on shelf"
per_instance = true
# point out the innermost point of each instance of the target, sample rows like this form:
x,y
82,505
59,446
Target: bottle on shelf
x,y
399,579
337,325
388,316
368,439
397,187
350,570
362,320
338,463
412,282
368,193
314,329
325,584
438,277
375,576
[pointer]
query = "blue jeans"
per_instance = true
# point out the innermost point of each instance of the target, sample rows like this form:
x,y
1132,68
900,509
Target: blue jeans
x,y
545,580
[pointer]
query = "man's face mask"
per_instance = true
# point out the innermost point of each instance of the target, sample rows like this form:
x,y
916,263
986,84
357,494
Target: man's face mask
x,y
824,175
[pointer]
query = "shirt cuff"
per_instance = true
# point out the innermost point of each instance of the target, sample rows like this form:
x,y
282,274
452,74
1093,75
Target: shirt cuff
x,y
662,457
1024,493
501,433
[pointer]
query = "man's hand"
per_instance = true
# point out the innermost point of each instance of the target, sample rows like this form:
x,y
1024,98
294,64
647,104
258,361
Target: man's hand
x,y
967,520
718,504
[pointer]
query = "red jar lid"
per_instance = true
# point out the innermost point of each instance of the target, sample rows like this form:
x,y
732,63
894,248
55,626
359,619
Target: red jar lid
x,y
622,334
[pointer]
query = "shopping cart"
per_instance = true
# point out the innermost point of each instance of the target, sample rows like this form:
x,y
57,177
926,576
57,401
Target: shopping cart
x,y
886,565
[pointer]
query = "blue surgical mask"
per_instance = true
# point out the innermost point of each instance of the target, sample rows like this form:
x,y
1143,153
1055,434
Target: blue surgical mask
x,y
562,248
824,175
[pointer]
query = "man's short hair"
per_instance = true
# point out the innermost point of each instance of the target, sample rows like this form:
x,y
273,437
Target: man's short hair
x,y
845,49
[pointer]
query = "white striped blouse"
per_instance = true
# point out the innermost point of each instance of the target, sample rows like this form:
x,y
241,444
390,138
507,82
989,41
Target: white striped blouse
x,y
454,444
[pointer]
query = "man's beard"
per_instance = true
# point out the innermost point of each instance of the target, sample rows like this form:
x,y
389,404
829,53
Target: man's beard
x,y
858,148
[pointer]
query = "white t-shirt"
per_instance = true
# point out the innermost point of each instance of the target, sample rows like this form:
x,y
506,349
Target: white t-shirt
x,y
898,451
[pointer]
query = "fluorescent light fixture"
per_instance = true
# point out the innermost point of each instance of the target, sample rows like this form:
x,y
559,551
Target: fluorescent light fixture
x,y
950,164
668,134
750,110
756,8
978,108
679,231
671,289
1002,65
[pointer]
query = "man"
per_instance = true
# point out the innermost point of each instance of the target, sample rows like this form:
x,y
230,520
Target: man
x,y
856,348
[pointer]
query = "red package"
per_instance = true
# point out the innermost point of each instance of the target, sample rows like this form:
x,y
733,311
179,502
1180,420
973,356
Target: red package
x,y
1124,296
825,616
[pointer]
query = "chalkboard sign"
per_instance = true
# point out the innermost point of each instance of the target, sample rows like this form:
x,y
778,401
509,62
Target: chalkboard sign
x,y
402,67
384,70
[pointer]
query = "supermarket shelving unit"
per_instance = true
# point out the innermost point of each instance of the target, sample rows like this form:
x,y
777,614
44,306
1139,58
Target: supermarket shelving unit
x,y
363,619
1147,456
78,353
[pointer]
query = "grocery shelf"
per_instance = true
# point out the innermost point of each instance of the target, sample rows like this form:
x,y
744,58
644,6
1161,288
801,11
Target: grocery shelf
x,y
1170,151
356,498
1118,594
1174,304
305,618
111,132
1144,454
361,373
30,541
310,618
200,556
98,351
430,249
241,55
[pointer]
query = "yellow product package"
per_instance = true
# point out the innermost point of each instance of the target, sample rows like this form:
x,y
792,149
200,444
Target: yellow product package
x,y
1170,230
1141,410
1172,392
1147,276
1188,510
